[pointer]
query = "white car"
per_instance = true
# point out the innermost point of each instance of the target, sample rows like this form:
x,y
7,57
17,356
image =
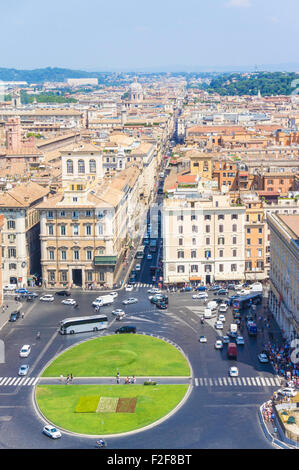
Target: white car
x,y
233,371
218,325
287,391
10,287
25,350
114,294
221,318
202,339
138,267
68,302
240,340
225,339
118,311
131,300
218,344
51,431
149,256
97,303
154,290
223,308
204,295
263,358
23,370
47,298
129,287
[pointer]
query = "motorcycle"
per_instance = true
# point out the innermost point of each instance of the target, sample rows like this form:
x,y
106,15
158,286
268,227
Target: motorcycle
x,y
101,443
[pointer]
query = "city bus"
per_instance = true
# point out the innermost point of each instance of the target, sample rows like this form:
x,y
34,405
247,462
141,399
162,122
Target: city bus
x,y
140,252
244,301
83,324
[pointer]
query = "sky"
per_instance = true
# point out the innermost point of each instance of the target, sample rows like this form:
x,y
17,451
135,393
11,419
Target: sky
x,y
138,34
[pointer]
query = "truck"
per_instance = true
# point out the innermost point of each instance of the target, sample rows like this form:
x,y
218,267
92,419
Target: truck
x,y
104,300
232,351
252,329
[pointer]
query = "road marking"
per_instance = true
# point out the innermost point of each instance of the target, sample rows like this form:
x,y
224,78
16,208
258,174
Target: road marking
x,y
205,381
263,382
22,380
196,382
229,381
272,381
224,381
26,380
215,382
17,381
244,381
13,381
201,381
253,381
267,381
220,382
36,380
7,380
210,381
239,381
277,381
30,381
234,381
248,380
258,381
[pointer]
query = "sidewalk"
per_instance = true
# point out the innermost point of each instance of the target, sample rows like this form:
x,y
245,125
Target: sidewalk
x,y
8,301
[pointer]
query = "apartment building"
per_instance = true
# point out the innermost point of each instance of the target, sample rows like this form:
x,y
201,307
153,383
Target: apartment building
x,y
284,272
203,236
20,233
255,252
1,284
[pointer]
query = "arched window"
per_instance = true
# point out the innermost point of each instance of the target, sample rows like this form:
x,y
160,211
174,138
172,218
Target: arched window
x,y
81,166
69,166
92,166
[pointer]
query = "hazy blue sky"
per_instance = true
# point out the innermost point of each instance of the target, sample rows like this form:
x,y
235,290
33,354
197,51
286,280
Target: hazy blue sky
x,y
99,34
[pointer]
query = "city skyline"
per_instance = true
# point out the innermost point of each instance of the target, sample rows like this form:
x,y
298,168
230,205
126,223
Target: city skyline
x,y
222,34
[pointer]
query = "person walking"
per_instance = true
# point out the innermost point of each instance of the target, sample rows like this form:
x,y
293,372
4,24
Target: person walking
x,y
71,378
22,315
61,378
67,379
117,378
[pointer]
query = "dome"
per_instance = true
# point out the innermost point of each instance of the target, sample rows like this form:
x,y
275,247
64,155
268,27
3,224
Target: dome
x,y
136,87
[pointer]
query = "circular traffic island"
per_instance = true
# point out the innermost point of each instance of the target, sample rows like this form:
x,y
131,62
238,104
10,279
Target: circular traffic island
x,y
105,407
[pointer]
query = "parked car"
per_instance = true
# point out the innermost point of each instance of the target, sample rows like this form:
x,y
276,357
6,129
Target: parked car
x,y
131,300
233,371
218,344
129,287
287,392
23,370
263,358
14,316
63,293
126,329
51,431
25,350
47,298
69,302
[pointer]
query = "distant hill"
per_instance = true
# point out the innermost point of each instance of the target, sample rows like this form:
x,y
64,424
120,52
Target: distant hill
x,y
48,74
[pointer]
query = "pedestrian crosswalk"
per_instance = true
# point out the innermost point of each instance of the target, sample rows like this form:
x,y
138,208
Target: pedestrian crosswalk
x,y
140,284
18,381
236,381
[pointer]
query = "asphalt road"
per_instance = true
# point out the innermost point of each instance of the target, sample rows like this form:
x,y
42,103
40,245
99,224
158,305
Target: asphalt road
x,y
217,415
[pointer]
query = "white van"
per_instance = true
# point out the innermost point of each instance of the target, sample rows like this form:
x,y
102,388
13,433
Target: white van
x,y
233,328
208,313
105,299
212,305
256,287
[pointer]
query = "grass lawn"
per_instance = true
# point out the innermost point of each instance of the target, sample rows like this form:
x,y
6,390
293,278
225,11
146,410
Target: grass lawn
x,y
58,403
129,354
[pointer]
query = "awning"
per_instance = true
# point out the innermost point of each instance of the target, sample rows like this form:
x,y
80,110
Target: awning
x,y
105,260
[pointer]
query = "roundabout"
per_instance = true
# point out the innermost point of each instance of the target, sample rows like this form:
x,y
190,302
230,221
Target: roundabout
x,y
95,404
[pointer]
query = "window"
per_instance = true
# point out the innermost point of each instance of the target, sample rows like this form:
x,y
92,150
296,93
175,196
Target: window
x,y
180,218
260,241
51,255
233,268
62,229
89,276
247,218
81,166
51,276
248,253
248,230
234,217
260,253
101,250
194,229
12,266
248,241
193,241
51,230
88,229
221,228
260,264
180,254
180,228
88,254
62,213
234,241
248,265
208,228
75,199
76,230
76,255
208,268
234,253
92,166
75,215
220,216
101,276
221,268
101,229
11,224
63,255
208,241
234,227
181,241
220,253
221,241
194,268
50,215
69,167
88,213
207,217
181,268
193,217
193,253
63,276
12,252
260,230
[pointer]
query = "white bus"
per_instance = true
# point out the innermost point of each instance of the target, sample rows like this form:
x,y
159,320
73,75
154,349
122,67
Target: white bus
x,y
83,324
140,252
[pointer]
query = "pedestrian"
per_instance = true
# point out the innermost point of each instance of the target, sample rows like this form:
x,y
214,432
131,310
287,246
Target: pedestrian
x,y
61,378
117,378
67,379
71,378
127,380
23,314
134,379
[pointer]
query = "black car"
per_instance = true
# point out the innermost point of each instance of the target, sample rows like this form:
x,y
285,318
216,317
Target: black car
x,y
14,316
63,293
126,329
214,288
222,292
219,301
232,334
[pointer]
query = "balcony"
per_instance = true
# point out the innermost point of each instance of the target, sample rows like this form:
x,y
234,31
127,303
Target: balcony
x,y
105,260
